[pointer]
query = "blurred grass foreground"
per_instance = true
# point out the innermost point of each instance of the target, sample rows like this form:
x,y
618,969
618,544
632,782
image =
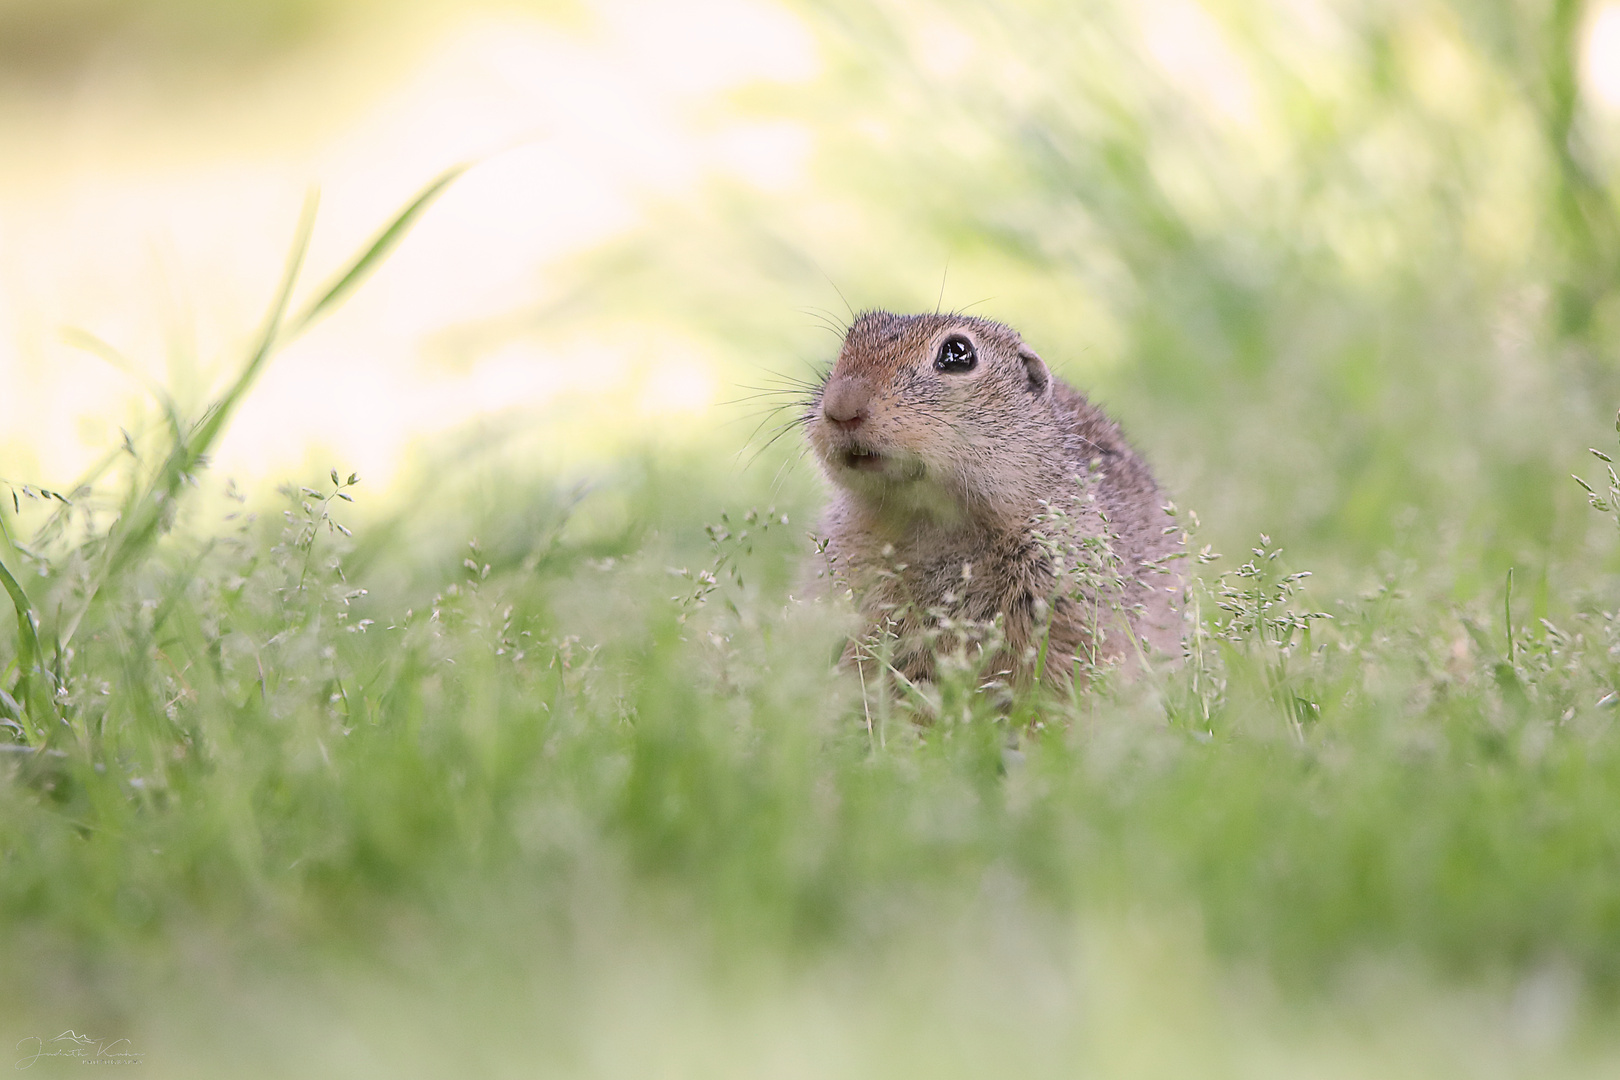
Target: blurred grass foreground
x,y
413,682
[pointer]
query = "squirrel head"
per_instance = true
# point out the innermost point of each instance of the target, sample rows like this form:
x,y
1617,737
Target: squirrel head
x,y
946,412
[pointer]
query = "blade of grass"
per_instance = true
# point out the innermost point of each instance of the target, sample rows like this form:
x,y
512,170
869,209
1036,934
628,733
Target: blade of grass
x,y
27,636
368,260
1507,615
28,650
144,510
203,434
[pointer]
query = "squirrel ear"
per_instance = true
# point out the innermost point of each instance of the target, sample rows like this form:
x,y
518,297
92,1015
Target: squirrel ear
x,y
1040,380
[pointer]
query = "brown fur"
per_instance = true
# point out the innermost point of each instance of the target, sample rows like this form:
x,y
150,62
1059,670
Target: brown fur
x,y
965,467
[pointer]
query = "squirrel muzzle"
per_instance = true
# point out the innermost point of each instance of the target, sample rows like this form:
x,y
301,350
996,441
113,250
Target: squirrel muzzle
x,y
846,402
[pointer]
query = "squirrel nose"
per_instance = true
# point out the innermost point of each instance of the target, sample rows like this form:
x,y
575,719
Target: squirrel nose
x,y
846,402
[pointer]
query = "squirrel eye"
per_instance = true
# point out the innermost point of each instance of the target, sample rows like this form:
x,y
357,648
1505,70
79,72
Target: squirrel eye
x,y
956,355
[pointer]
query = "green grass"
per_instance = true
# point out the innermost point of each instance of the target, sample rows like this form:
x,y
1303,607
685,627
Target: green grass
x,y
383,796
529,776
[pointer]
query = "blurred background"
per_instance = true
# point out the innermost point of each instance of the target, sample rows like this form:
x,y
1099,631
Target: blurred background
x,y
1346,269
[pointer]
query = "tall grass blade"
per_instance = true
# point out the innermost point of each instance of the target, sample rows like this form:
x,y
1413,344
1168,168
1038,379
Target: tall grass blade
x,y
28,639
202,436
28,650
145,510
367,261
1507,615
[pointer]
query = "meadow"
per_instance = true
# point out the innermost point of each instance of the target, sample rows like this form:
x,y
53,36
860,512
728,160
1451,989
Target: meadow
x,y
529,770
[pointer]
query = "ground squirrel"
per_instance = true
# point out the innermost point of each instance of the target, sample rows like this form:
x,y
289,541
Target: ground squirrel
x,y
970,486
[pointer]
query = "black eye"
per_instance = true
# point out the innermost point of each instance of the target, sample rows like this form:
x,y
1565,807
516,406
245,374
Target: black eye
x,y
956,355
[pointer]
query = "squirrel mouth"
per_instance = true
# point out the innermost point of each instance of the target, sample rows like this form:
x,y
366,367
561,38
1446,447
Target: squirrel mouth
x,y
863,460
